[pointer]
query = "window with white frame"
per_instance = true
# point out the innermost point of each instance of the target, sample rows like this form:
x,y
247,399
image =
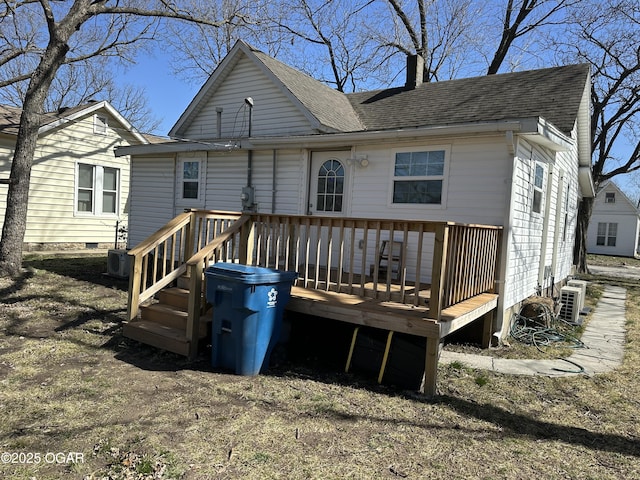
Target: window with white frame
x,y
610,197
97,190
607,233
538,183
100,124
189,181
418,177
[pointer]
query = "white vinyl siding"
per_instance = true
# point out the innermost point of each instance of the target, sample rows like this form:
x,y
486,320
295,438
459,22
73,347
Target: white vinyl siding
x,y
153,181
273,112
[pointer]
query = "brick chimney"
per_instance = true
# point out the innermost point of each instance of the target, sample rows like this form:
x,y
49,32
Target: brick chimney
x,y
415,71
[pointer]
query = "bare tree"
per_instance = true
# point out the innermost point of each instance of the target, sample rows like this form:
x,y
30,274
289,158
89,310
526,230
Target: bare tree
x,y
522,17
62,33
435,29
606,36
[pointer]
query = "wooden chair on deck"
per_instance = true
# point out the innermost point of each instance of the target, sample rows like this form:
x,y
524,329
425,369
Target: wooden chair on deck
x,y
389,258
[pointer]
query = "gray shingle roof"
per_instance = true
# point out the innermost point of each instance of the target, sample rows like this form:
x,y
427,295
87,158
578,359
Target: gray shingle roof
x,y
551,93
330,107
10,117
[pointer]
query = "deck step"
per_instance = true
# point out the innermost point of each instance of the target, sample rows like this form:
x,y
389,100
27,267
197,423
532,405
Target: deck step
x,y
172,317
157,335
175,296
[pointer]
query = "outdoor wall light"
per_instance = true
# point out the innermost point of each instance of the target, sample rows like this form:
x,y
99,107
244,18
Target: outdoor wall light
x,y
361,161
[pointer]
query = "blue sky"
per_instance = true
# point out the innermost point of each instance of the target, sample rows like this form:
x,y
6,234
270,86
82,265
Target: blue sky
x,y
167,96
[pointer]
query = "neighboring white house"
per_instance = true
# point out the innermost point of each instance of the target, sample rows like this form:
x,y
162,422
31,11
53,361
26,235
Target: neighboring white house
x,y
614,228
79,189
510,150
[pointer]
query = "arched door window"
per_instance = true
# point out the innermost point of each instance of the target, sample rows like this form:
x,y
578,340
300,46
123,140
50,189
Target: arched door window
x,y
330,187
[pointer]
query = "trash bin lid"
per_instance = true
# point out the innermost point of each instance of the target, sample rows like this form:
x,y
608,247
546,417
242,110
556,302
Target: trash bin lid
x,y
249,274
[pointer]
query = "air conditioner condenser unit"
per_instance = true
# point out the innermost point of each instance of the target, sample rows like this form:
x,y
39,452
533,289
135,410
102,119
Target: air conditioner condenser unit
x,y
118,263
571,301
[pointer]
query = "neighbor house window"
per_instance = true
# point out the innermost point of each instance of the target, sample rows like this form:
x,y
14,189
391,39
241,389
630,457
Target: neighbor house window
x,y
98,190
610,197
418,177
607,233
538,182
330,187
100,124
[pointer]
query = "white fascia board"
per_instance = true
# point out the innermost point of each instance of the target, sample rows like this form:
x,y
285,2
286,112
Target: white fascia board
x,y
538,130
174,147
585,180
355,138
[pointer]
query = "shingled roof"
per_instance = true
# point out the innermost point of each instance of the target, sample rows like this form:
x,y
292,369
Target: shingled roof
x,y
10,117
551,93
330,107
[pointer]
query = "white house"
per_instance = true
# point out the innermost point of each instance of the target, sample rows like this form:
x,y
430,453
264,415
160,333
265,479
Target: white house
x,y
614,228
79,190
511,150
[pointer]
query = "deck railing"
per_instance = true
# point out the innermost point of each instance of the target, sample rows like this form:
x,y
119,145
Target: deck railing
x,y
439,263
162,258
434,264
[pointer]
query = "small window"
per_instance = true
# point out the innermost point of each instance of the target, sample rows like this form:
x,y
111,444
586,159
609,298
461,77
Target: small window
x,y
610,197
100,124
190,179
538,183
330,187
418,177
607,233
97,190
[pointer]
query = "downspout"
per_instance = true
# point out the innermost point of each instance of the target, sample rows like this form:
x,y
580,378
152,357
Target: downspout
x,y
273,183
545,230
502,325
559,221
248,192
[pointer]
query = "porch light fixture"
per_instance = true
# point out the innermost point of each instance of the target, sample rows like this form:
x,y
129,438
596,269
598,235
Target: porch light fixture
x,y
361,161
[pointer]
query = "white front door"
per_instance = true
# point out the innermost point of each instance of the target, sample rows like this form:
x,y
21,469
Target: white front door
x,y
328,183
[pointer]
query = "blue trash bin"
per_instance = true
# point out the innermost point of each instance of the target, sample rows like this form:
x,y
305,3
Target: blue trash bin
x,y
248,305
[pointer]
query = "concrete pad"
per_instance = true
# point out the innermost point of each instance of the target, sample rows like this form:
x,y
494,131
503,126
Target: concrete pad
x,y
604,340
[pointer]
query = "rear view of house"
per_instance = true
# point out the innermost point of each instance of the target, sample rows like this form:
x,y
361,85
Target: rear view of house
x,y
79,189
439,170
614,228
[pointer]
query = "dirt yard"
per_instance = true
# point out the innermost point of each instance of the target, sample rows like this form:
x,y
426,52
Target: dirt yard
x,y
79,401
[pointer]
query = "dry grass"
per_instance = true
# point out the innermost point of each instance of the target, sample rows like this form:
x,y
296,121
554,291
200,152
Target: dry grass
x,y
70,383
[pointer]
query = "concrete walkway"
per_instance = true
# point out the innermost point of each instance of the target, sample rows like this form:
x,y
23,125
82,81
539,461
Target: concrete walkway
x,y
604,338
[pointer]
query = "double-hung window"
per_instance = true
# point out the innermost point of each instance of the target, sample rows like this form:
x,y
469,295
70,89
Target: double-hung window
x,y
607,233
190,175
418,177
97,190
538,183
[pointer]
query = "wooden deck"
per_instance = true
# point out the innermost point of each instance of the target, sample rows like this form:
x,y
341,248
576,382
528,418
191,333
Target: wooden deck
x,y
442,278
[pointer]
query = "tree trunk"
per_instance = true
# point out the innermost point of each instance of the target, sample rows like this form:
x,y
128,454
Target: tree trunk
x,y
15,220
580,245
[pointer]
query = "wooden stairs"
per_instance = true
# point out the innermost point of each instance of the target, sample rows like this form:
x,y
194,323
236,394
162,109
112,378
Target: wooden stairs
x,y
163,323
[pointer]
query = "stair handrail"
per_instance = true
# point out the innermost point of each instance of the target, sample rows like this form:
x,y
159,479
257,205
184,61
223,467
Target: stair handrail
x,y
195,267
144,248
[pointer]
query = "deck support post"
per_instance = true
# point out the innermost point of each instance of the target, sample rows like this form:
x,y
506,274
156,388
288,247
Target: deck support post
x,y
431,367
487,329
